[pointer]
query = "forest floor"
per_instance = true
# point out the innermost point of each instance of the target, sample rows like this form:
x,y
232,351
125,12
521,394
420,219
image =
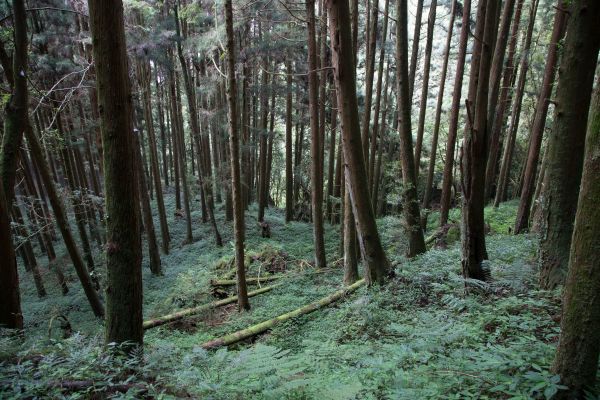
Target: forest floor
x,y
418,337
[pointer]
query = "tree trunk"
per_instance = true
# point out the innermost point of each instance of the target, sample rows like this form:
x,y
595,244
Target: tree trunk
x,y
474,144
516,111
144,76
539,122
375,261
412,214
234,148
315,146
369,72
576,358
289,167
425,86
202,152
15,112
63,223
503,103
415,50
123,246
155,264
371,160
454,114
567,140
438,110
10,297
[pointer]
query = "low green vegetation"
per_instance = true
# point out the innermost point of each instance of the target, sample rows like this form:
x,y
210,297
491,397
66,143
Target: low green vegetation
x,y
418,337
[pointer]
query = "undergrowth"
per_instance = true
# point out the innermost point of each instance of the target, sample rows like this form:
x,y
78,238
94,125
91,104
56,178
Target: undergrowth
x,y
421,336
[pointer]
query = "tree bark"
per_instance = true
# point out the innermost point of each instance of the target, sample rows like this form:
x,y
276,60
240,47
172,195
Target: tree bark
x,y
438,110
289,166
539,122
123,246
375,261
567,140
425,86
315,146
576,358
415,50
516,111
234,148
454,114
474,144
412,213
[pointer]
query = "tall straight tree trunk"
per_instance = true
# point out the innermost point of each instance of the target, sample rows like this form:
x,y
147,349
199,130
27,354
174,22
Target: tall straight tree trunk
x,y
474,144
454,114
10,297
567,141
503,103
495,79
144,76
415,50
315,146
234,148
14,123
289,166
155,264
576,358
539,122
509,145
123,246
202,152
15,111
262,172
369,72
438,110
412,213
378,87
375,261
425,87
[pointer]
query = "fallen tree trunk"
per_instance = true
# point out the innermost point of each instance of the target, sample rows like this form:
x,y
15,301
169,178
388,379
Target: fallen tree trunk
x,y
249,281
266,325
151,323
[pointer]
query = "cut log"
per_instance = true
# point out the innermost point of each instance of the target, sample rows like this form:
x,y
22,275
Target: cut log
x,y
266,325
151,323
249,281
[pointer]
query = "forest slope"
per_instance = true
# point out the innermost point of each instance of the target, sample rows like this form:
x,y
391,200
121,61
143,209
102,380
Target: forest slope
x,y
418,337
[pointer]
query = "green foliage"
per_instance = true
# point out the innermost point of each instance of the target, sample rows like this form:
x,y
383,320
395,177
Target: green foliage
x,y
418,337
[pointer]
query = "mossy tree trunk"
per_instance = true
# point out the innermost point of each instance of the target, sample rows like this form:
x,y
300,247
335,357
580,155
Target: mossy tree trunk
x,y
567,140
579,345
412,213
14,123
123,246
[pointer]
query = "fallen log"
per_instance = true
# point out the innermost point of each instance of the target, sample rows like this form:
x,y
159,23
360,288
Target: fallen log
x,y
151,323
266,325
249,281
